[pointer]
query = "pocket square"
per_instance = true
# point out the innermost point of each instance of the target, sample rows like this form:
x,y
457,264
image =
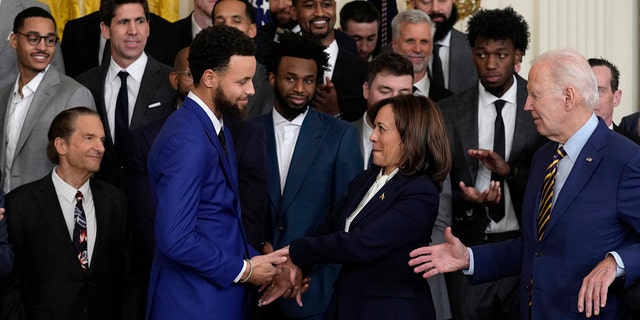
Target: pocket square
x,y
153,105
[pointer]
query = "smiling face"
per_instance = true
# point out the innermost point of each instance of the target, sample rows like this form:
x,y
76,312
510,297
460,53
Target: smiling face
x,y
128,32
414,43
280,12
387,143
495,62
295,85
82,152
317,17
235,86
33,59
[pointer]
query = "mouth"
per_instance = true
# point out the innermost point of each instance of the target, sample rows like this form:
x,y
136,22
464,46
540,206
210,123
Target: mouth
x,y
437,17
40,56
131,43
319,23
492,78
298,100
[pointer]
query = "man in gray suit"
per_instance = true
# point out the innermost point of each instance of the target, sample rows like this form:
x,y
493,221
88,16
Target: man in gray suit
x,y
8,65
451,45
492,141
131,90
38,93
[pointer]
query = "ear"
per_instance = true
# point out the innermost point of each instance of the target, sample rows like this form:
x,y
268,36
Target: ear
x,y
570,96
394,45
272,79
253,31
60,145
13,40
617,96
105,30
209,78
173,80
365,90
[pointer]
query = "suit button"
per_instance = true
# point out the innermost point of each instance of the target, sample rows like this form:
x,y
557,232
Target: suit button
x,y
538,253
280,228
485,238
526,287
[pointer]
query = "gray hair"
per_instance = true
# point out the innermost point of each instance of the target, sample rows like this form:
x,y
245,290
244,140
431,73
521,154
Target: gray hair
x,y
413,16
570,68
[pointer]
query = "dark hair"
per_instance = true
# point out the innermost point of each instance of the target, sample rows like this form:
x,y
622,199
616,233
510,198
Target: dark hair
x,y
63,126
358,11
423,133
615,73
298,46
499,24
108,9
31,12
213,48
249,10
390,62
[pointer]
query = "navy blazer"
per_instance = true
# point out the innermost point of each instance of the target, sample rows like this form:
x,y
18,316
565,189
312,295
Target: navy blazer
x,y
595,212
375,281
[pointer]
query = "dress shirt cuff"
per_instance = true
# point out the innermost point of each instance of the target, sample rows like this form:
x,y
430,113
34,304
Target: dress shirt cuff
x,y
244,267
619,264
469,272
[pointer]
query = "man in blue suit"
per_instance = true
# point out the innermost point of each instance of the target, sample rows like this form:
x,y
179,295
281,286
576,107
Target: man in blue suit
x,y
579,246
202,256
311,158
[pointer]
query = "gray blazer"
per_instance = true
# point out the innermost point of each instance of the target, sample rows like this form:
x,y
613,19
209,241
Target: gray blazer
x,y
8,61
462,71
56,93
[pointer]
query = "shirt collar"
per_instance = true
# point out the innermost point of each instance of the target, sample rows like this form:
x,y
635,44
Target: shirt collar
x,y
195,28
31,86
279,120
446,41
579,139
217,123
135,70
67,191
487,99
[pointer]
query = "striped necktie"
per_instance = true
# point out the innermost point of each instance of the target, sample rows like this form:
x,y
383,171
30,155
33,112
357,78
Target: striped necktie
x,y
546,200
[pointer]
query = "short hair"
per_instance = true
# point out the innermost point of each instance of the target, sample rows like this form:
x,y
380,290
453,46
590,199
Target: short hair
x,y
63,126
499,24
249,10
31,12
298,46
358,11
108,9
413,16
390,62
423,133
213,48
615,73
569,68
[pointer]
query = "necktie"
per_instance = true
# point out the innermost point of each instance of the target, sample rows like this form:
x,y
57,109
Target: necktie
x,y
80,232
436,66
496,213
544,212
383,23
222,140
122,114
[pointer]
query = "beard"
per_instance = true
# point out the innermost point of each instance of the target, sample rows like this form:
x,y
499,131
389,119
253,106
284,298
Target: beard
x,y
287,108
443,28
227,107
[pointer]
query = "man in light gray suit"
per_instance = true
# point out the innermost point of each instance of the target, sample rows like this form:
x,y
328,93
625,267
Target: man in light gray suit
x,y
38,94
8,66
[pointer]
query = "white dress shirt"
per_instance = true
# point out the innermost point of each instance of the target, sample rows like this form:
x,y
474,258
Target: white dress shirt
x,y
195,28
332,51
286,133
443,53
422,86
67,199
381,180
112,87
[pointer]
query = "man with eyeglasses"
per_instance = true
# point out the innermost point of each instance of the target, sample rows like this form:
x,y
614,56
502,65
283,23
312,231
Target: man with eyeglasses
x,y
29,104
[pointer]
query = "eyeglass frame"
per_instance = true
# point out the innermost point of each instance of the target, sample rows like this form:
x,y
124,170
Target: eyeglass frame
x,y
28,35
188,73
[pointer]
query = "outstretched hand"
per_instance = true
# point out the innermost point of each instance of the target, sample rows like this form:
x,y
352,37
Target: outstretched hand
x,y
489,197
491,160
446,257
264,267
289,283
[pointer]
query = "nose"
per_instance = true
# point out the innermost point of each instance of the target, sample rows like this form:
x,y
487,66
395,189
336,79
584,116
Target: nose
x,y
299,85
99,146
527,104
374,136
250,89
132,28
318,10
437,7
491,62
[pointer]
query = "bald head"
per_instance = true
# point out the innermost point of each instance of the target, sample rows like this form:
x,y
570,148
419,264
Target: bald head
x,y
180,78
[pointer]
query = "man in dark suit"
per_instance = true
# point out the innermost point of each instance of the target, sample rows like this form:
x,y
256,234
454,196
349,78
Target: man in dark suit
x,y
413,33
70,233
280,13
38,93
608,77
147,96
84,47
458,71
200,18
580,222
6,255
631,123
341,93
490,151
311,158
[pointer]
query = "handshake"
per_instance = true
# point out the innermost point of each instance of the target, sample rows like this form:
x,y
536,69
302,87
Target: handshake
x,y
276,276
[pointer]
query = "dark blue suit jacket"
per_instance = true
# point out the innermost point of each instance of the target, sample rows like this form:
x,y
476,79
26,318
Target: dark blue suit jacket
x,y
595,212
200,241
375,281
325,159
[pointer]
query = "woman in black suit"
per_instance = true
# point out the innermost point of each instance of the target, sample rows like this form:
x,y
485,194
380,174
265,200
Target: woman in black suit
x,y
389,210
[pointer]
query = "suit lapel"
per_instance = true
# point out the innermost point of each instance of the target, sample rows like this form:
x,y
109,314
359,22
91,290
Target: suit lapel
x,y
381,201
524,122
467,126
147,89
353,201
273,171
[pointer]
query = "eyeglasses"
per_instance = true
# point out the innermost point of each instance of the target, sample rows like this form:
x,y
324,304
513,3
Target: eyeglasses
x,y
188,73
34,38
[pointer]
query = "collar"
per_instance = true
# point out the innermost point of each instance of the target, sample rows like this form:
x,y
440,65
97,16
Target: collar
x,y
195,28
217,123
31,86
579,139
446,41
67,191
135,70
487,99
279,120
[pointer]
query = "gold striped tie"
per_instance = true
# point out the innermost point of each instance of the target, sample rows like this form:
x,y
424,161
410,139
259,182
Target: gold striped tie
x,y
546,200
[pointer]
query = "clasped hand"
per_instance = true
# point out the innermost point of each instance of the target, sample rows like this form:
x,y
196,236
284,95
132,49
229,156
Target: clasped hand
x,y
288,283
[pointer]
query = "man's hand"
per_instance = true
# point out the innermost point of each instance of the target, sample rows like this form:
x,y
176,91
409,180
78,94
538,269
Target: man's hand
x,y
489,197
264,268
446,257
326,99
491,160
593,293
267,248
289,283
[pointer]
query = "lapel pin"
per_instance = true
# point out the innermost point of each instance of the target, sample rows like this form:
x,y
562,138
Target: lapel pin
x,y
382,196
589,159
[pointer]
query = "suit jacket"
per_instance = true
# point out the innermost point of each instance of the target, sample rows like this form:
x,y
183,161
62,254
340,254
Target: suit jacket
x,y
349,73
462,70
325,158
6,255
8,61
595,212
461,115
81,43
55,93
182,31
200,241
47,281
631,136
155,88
630,122
375,281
